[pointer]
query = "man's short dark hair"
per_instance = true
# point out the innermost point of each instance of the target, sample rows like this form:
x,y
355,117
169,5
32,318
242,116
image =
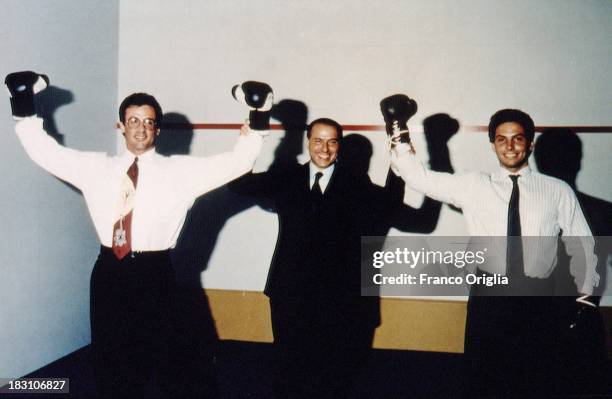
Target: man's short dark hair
x,y
512,115
325,121
139,99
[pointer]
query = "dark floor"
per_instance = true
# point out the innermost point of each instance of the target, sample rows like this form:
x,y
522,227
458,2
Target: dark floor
x,y
244,372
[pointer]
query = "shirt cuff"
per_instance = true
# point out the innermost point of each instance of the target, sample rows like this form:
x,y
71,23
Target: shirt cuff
x,y
590,282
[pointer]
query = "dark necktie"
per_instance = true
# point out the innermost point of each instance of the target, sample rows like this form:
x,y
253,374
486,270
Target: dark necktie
x,y
122,230
514,250
317,193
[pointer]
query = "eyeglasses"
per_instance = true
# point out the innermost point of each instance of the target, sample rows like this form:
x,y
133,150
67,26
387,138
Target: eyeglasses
x,y
133,122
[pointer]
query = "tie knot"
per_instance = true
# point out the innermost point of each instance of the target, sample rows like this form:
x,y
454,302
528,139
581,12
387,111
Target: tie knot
x,y
514,178
132,172
318,177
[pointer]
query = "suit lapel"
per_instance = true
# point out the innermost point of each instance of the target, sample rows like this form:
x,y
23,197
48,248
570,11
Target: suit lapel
x,y
332,186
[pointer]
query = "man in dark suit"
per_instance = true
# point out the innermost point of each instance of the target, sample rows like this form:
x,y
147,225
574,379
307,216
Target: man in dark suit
x,y
314,294
323,328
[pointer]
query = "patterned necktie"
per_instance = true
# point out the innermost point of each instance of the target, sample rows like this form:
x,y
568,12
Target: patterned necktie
x,y
514,249
122,230
317,193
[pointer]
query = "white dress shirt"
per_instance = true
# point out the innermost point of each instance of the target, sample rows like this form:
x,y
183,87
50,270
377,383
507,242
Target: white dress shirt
x,y
166,189
547,206
324,180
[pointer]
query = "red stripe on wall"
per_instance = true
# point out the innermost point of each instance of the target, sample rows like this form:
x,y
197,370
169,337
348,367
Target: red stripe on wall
x,y
577,129
373,128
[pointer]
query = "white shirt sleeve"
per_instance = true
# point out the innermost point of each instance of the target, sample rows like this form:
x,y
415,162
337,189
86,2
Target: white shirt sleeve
x,y
73,166
441,186
579,242
202,174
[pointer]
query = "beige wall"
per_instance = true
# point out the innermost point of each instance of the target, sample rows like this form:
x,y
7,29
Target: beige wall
x,y
406,324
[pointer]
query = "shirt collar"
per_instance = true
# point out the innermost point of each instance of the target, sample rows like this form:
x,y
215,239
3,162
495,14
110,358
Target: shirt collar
x,y
128,157
503,173
327,172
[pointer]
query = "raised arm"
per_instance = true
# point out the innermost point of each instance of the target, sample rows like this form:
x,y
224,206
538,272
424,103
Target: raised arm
x,y
396,111
205,174
67,164
259,185
439,129
199,175
406,218
73,166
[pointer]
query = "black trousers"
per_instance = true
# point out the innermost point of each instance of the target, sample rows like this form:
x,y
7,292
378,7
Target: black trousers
x,y
131,322
319,349
511,342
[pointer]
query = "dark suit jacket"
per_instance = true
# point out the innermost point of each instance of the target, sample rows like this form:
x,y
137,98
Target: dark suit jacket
x,y
318,251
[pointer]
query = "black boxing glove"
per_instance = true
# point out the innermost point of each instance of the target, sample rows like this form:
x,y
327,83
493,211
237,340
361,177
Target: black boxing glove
x,y
396,110
22,87
259,98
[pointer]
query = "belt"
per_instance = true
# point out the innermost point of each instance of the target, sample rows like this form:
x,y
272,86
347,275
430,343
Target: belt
x,y
107,251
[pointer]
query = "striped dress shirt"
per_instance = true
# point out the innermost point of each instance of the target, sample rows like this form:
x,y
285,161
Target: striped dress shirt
x,y
547,207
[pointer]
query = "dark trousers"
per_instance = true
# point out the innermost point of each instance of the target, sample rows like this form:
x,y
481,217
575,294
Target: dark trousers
x,y
511,342
131,322
319,350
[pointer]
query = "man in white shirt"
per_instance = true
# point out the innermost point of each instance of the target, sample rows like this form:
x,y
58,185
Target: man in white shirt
x,y
510,340
137,202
